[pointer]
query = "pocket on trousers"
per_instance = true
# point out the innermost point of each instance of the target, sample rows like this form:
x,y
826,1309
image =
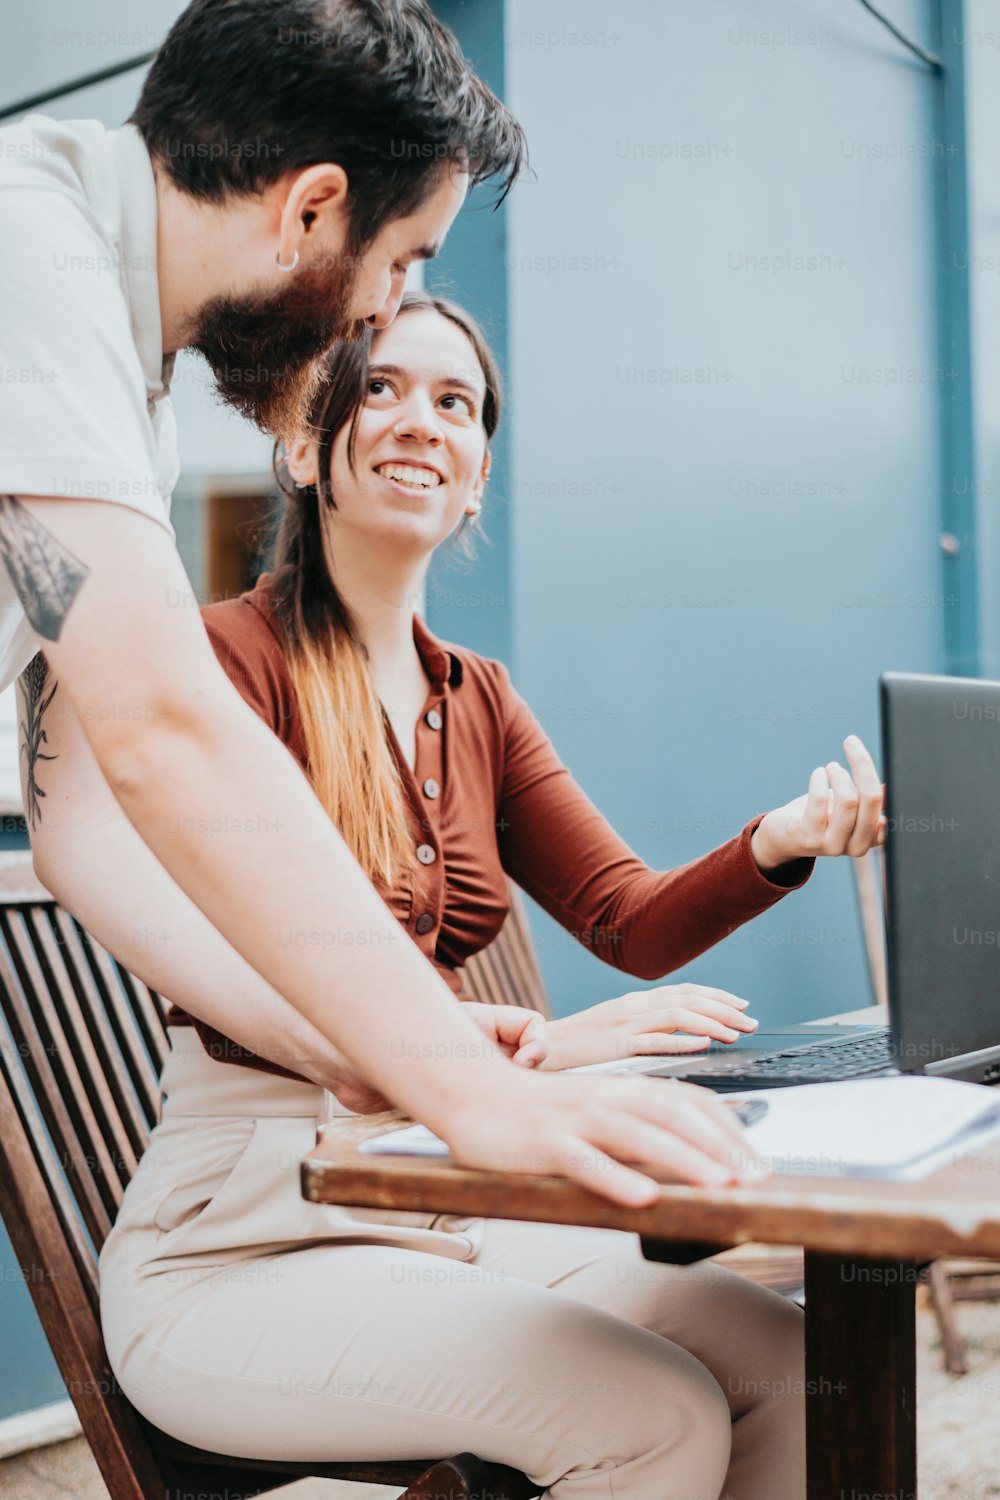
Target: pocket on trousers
x,y
205,1175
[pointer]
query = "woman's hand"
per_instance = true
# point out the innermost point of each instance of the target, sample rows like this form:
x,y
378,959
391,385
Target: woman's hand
x,y
838,815
646,1023
520,1033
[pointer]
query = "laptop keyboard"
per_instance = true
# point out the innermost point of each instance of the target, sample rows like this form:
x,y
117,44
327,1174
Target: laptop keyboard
x,y
813,1062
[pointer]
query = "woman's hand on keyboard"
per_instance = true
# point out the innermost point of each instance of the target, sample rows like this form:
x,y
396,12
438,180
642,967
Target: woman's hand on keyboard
x,y
840,814
673,1018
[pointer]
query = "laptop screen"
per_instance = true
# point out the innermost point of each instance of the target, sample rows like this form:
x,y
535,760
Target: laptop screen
x,y
941,764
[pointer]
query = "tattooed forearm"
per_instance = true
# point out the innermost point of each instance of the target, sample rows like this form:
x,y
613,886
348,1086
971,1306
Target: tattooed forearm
x,y
33,683
46,575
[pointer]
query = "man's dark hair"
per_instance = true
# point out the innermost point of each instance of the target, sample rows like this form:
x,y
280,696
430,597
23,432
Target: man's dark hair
x,y
243,91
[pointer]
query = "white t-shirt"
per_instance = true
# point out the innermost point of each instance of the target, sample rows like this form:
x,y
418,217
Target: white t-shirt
x,y
83,383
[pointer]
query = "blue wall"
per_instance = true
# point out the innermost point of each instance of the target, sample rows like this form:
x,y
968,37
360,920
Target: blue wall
x,y
977,35
728,386
466,602
29,1377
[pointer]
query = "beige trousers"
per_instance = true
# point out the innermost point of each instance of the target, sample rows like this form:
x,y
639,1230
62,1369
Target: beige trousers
x,y
242,1319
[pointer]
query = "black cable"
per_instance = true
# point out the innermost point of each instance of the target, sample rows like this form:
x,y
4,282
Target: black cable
x,y
78,83
927,57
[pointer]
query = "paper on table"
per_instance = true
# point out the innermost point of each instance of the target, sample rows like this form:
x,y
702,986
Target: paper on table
x,y
895,1129
410,1140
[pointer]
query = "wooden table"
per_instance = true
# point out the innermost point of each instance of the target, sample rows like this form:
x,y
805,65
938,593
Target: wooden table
x,y
864,1243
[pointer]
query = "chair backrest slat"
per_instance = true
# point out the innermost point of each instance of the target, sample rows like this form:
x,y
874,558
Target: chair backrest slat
x,y
507,972
46,1184
125,1063
148,1008
85,1025
520,953
480,979
144,1015
55,1081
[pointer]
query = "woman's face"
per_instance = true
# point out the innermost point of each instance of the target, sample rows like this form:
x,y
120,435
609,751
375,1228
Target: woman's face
x,y
420,457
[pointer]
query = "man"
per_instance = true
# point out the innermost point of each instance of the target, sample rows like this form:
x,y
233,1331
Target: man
x,y
285,164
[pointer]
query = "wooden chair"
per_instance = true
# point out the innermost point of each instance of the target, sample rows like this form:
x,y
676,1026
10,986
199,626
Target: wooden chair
x,y
82,1043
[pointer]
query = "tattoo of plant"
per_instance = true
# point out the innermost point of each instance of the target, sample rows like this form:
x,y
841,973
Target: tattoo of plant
x,y
46,575
33,736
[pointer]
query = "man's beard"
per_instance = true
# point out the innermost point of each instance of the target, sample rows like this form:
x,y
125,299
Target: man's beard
x,y
266,349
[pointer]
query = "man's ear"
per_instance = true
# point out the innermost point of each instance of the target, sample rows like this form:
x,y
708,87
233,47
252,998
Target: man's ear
x,y
312,196
301,460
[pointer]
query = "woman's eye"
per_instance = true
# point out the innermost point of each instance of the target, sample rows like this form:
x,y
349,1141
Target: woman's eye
x,y
469,410
376,387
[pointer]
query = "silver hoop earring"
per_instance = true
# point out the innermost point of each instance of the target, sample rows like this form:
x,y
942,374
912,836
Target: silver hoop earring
x,y
281,267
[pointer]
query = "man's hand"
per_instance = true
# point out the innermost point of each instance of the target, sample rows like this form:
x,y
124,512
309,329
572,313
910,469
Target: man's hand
x,y
587,1128
838,815
646,1022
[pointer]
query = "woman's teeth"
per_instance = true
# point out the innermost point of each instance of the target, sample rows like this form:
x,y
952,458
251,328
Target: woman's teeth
x,y
410,474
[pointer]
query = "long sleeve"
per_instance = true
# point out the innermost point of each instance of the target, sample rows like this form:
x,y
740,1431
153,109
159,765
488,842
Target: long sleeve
x,y
564,853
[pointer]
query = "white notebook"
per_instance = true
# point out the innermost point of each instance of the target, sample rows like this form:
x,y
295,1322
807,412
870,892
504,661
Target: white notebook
x,y
893,1129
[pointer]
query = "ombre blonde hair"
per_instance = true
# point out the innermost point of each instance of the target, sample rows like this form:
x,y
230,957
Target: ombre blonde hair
x,y
350,762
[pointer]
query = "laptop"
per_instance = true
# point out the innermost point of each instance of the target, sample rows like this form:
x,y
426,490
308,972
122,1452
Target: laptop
x,y
941,763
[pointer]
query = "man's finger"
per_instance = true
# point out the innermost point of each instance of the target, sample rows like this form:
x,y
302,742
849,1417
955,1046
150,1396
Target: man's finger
x,y
712,1105
689,1150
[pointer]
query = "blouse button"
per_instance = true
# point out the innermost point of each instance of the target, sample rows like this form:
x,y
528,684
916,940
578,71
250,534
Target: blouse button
x,y
426,853
433,718
431,788
424,923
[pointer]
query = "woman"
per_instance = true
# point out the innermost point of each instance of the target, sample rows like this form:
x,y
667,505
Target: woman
x,y
557,1350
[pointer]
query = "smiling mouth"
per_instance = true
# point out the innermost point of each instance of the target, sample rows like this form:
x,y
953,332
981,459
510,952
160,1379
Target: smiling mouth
x,y
410,476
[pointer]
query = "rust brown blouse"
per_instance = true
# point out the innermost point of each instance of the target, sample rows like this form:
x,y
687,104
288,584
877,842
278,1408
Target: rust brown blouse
x,y
490,798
